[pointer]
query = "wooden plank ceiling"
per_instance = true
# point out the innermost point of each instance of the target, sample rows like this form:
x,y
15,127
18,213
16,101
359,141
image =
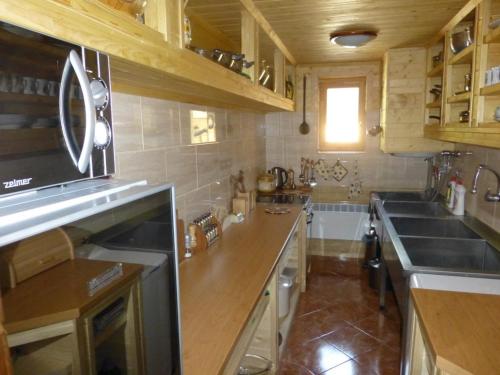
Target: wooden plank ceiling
x,y
305,25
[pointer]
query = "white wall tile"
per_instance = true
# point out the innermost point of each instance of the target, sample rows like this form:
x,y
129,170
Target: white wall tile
x,y
127,122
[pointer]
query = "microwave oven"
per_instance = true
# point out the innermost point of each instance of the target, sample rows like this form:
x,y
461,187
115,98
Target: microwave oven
x,y
55,112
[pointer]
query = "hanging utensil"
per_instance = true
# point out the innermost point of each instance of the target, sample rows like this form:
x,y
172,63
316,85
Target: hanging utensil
x,y
304,127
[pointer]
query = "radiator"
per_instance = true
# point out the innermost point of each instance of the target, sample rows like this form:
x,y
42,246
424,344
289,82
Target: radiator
x,y
340,221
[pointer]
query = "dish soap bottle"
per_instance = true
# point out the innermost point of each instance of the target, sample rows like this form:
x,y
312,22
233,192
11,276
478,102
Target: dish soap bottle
x,y
450,194
459,199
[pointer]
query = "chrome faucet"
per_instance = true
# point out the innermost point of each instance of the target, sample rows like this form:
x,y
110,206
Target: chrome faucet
x,y
489,197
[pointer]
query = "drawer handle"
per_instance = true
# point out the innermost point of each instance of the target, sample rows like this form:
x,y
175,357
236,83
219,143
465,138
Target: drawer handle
x,y
47,260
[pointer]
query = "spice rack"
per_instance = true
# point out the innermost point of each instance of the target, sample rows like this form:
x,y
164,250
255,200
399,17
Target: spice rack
x,y
204,231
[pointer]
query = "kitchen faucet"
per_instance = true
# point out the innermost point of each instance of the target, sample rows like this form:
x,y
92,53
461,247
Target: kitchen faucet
x,y
435,173
489,197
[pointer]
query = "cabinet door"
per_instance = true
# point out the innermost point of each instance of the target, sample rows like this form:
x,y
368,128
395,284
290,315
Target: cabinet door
x,y
403,103
418,359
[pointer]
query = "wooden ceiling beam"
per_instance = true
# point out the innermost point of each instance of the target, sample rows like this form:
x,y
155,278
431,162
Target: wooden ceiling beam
x,y
268,29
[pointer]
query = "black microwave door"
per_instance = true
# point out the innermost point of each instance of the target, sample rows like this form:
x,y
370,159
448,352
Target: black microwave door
x,y
34,149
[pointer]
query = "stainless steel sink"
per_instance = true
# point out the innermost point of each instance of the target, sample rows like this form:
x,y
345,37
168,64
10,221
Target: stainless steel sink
x,y
427,227
406,196
432,209
452,254
424,237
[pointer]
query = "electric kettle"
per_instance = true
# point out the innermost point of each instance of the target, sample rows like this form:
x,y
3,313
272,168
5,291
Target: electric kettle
x,y
280,176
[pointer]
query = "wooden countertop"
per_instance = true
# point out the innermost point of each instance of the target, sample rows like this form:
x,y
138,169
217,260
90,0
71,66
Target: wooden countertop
x,y
221,286
58,294
462,330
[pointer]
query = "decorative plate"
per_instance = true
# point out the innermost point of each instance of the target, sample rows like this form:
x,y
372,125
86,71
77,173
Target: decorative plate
x,y
339,171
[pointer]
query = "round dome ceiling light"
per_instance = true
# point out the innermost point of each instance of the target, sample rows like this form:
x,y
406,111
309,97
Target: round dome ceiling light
x,y
352,39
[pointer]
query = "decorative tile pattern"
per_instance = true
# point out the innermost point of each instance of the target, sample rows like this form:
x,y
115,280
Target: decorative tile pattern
x,y
323,169
356,184
338,328
339,171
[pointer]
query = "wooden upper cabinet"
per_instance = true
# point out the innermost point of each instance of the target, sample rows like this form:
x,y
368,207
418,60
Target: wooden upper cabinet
x,y
403,103
148,60
480,98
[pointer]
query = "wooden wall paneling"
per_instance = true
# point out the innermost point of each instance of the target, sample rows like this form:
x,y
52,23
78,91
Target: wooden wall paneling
x,y
403,102
167,17
175,10
304,25
64,21
207,36
250,44
268,29
155,16
279,72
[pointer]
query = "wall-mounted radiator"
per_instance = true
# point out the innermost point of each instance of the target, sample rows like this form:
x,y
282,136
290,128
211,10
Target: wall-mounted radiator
x,y
340,221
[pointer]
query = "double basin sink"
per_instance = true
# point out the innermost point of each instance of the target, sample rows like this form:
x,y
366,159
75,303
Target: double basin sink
x,y
419,235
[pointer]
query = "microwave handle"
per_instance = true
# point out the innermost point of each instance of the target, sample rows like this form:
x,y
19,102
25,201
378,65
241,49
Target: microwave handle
x,y
81,161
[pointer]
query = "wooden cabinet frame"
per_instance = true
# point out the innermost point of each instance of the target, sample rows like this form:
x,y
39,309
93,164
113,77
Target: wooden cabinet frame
x,y
481,129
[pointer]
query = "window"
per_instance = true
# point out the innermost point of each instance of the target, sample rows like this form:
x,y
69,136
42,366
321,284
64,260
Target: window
x,y
342,114
202,127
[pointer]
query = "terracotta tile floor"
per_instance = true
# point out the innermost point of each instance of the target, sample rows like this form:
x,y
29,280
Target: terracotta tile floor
x,y
338,328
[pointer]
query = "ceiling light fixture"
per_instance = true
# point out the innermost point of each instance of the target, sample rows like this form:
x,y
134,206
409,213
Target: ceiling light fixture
x,y
352,39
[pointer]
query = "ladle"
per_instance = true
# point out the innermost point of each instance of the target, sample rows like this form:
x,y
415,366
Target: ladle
x,y
304,127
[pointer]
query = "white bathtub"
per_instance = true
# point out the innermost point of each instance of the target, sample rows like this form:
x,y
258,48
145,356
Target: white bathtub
x,y
340,221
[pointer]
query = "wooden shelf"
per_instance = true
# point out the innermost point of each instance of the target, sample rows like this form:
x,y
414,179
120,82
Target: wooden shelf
x,y
489,125
463,57
110,330
436,71
482,136
460,98
435,104
142,62
456,125
493,36
491,90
